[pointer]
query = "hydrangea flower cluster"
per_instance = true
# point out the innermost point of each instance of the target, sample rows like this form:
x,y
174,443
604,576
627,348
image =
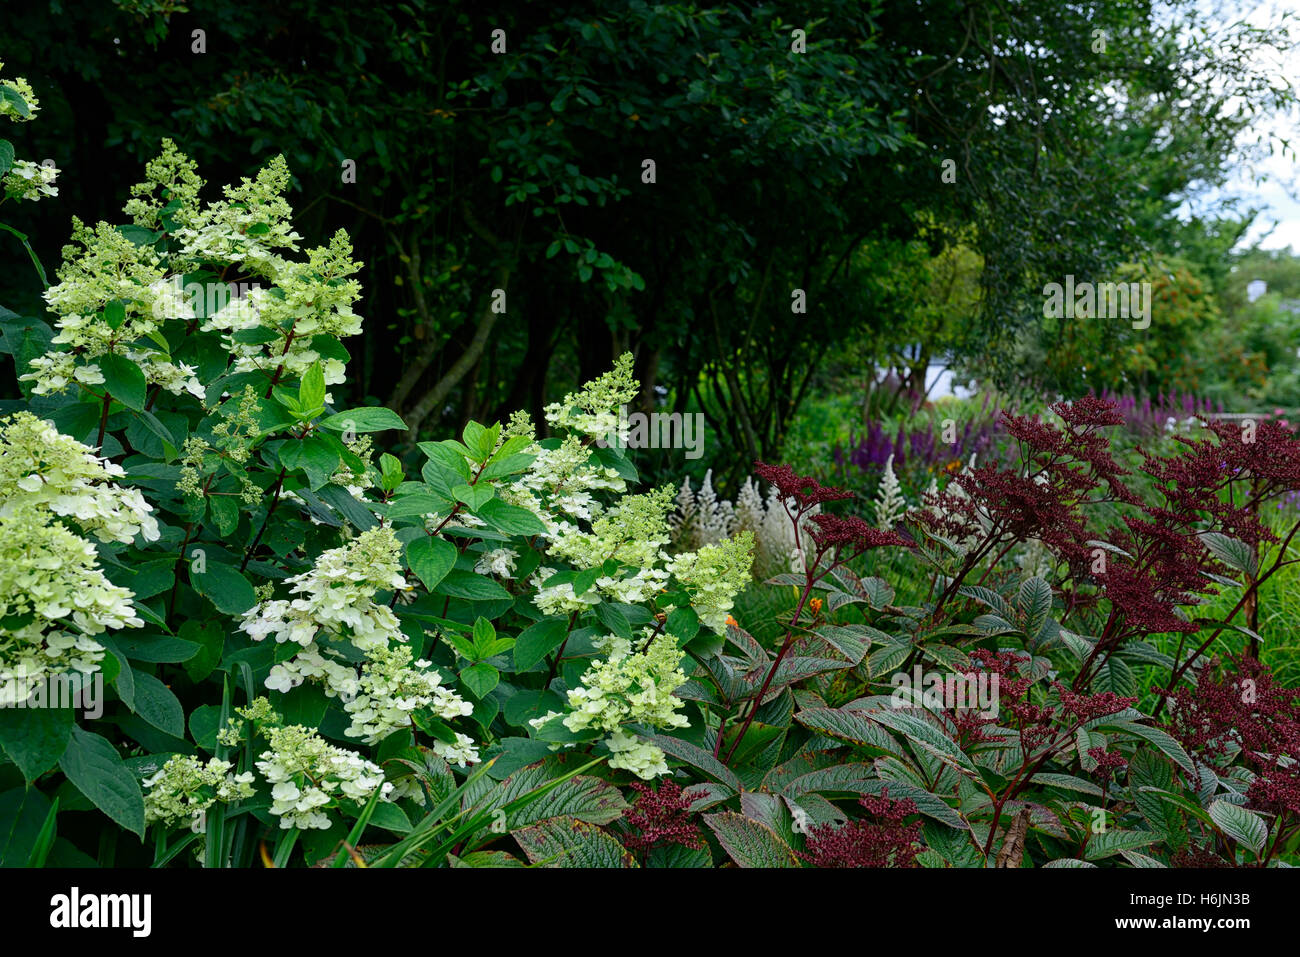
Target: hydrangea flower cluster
x,y
714,576
562,481
308,775
112,298
309,299
184,788
24,180
629,688
497,561
339,605
30,181
593,410
53,597
390,690
45,470
338,597
634,531
171,182
246,227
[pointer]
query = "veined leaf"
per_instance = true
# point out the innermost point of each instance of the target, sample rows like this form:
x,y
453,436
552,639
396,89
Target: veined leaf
x,y
749,843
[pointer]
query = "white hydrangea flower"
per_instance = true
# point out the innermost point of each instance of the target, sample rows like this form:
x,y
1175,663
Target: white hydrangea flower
x,y
184,788
338,597
631,687
464,752
630,753
30,181
498,561
391,689
713,576
53,596
307,774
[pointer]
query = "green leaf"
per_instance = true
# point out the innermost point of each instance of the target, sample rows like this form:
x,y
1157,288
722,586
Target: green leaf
x,y
698,758
313,456
1160,739
583,798
115,313
1242,825
24,813
480,679
124,380
155,703
749,843
614,620
1036,604
431,559
6,156
463,584
568,842
211,639
311,391
225,512
225,587
364,420
1235,554
11,96
35,738
926,736
390,817
538,640
480,440
347,506
510,519
1113,842
474,496
850,726
1066,781
95,768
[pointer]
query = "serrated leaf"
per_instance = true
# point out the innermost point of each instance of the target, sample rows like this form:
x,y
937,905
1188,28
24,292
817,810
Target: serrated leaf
x,y
697,758
1235,554
749,843
850,726
568,842
1242,825
927,737
1113,842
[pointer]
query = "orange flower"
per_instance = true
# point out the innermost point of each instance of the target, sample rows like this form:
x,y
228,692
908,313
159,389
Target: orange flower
x,y
732,622
816,604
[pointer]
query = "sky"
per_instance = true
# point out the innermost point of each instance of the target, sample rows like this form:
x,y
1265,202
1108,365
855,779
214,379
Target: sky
x,y
1278,197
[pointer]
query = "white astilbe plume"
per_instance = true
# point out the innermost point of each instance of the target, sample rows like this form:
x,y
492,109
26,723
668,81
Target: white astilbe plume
x,y
682,517
703,518
890,504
